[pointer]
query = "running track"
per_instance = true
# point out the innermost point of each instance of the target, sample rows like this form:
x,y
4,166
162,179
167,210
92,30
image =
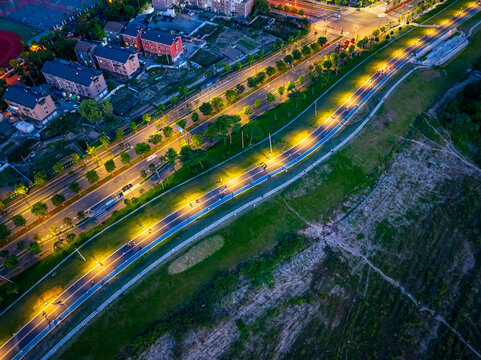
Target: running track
x,y
45,321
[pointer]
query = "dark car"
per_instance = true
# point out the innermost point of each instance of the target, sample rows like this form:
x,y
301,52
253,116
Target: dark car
x,y
126,187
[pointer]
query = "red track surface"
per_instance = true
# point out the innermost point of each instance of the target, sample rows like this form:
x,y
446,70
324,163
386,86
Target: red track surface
x,y
10,45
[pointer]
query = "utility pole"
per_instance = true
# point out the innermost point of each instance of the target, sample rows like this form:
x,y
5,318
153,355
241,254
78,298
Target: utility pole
x,y
315,108
270,142
3,277
80,255
242,133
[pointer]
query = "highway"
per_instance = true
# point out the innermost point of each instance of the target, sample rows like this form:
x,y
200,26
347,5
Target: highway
x,y
53,313
132,174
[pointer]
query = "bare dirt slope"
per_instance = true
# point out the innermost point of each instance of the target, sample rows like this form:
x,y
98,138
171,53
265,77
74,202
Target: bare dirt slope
x,y
394,274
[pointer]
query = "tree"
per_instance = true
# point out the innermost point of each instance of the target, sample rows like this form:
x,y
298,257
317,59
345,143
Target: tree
x,y
167,130
105,141
174,100
20,189
262,6
271,97
260,77
4,231
19,220
75,158
58,199
74,187
383,28
270,70
170,156
315,47
80,215
109,165
143,173
11,262
125,158
107,108
70,237
67,221
375,32
119,134
247,110
222,126
239,89
281,90
291,86
327,64
58,167
218,104
155,138
231,96
89,109
306,50
195,116
238,65
182,123
301,12
35,247
146,118
92,176
141,148
197,140
90,29
257,103
296,54
40,178
206,108
322,41
301,79
288,59
251,82
280,65
250,59
183,91
39,209
227,67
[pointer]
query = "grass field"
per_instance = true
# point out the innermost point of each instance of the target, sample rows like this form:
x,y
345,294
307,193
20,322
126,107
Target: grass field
x,y
257,230
26,32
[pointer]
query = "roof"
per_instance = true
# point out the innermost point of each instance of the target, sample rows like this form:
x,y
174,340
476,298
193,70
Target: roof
x,y
70,71
132,30
114,26
158,36
22,95
84,46
115,53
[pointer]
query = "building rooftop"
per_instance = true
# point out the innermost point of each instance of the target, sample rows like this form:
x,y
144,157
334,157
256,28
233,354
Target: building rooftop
x,y
114,26
132,30
115,53
158,36
22,95
70,71
84,45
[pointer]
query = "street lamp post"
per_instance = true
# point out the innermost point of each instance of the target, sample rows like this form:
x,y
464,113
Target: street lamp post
x,y
77,250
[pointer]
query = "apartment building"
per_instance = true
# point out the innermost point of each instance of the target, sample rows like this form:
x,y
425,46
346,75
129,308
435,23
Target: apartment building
x,y
85,52
29,104
75,79
131,37
235,8
113,32
159,43
117,61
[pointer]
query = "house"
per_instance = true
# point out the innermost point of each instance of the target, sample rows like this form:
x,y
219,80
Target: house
x,y
236,8
158,43
85,52
131,37
75,79
27,103
113,32
117,61
163,4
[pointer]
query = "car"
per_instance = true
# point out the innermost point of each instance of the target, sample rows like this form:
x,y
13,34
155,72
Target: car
x,y
151,157
126,187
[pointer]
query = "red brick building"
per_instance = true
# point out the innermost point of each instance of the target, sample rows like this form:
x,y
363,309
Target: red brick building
x,y
160,43
131,37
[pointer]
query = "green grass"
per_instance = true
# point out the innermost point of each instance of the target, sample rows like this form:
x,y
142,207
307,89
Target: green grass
x,y
260,228
26,32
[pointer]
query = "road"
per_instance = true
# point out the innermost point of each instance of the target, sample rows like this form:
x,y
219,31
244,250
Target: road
x,y
132,174
53,313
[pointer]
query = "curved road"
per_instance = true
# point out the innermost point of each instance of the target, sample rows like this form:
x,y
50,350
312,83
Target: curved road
x,y
35,330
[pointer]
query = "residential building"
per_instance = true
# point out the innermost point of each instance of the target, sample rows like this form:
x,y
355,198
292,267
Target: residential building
x,y
85,52
116,60
30,104
113,32
163,4
74,78
158,43
131,37
235,8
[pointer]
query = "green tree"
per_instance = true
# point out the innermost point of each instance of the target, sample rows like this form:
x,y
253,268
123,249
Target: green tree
x,y
270,70
280,65
58,167
35,247
239,89
105,141
195,116
183,91
39,209
141,148
119,134
291,86
296,54
227,68
125,158
74,187
58,199
167,130
11,262
146,118
237,65
75,158
92,176
260,77
306,50
271,97
247,110
174,100
80,215
89,110
106,107
252,82
19,220
257,103
4,231
375,32
281,90
40,178
67,221
288,59
182,123
250,59
206,108
197,140
223,126
322,41
133,126
20,189
231,96
301,79
218,104
155,138
109,165
170,156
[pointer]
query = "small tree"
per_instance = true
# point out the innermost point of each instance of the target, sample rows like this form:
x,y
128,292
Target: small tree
x,y
183,91
291,86
119,134
297,54
58,199
218,104
146,118
39,209
257,103
168,131
19,220
206,108
231,96
125,158
80,215
20,189
11,262
197,140
35,247
174,100
74,187
170,156
271,97
155,138
281,90
75,158
182,123
227,67
141,148
247,110
270,70
300,80
375,32
40,178
67,221
109,165
322,41
92,176
239,89
58,167
195,117
280,65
